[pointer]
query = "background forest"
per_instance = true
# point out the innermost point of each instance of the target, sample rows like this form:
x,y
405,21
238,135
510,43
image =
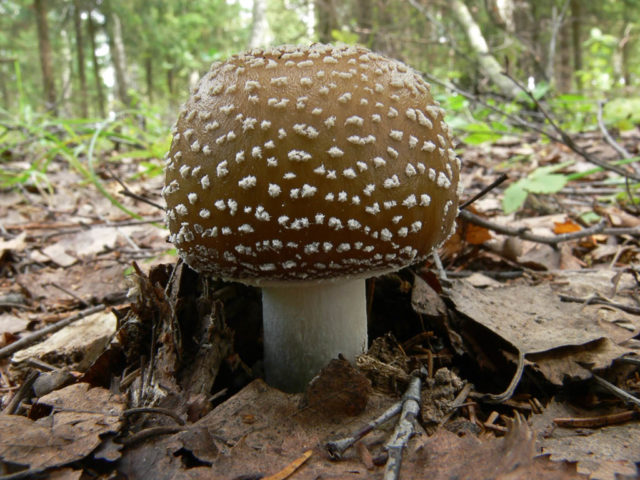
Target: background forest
x,y
125,67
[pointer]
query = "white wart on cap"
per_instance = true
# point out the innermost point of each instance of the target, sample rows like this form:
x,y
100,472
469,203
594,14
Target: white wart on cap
x,y
309,163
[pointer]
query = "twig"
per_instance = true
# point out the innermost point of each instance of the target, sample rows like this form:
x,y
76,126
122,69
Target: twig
x,y
508,393
484,191
22,393
70,293
337,447
629,360
595,300
523,232
34,337
561,137
150,432
162,411
457,403
28,474
607,136
618,148
404,429
595,422
617,391
566,139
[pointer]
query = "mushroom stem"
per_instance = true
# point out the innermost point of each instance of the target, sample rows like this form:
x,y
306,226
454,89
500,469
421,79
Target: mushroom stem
x,y
305,327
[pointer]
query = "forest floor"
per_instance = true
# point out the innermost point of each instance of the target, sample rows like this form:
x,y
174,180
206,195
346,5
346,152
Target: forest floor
x,y
529,347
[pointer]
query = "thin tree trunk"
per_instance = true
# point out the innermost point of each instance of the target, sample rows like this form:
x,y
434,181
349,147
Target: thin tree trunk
x,y
118,57
489,66
625,53
4,90
82,77
576,35
96,66
365,22
563,70
148,74
46,55
326,14
260,26
66,75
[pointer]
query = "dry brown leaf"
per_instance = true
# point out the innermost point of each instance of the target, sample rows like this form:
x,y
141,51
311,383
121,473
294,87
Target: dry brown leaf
x,y
71,432
568,226
279,433
558,336
600,453
76,345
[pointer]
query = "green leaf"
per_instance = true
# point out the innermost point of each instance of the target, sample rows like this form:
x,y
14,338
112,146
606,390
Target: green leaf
x,y
480,133
514,197
550,183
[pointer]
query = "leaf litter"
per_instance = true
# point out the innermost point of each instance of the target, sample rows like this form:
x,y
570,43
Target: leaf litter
x,y
169,386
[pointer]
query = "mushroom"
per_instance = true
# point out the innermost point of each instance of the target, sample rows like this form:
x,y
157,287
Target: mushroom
x,y
304,171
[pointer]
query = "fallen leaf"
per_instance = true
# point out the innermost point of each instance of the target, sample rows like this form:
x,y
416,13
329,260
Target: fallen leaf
x,y
568,226
70,433
601,453
76,345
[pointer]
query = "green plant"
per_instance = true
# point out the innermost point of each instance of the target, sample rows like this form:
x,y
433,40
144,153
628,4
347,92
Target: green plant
x,y
541,180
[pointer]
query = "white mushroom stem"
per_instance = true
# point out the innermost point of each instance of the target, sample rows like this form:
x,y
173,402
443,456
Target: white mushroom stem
x,y
306,326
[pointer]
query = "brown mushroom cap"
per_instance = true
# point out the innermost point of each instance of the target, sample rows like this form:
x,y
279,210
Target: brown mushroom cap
x,y
309,163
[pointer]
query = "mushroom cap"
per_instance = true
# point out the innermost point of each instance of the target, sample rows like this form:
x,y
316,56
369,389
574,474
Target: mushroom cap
x,y
310,163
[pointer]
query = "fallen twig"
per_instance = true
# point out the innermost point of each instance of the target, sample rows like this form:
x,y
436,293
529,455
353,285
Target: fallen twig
x,y
600,421
150,432
159,410
35,336
617,391
404,429
337,447
524,233
22,393
596,300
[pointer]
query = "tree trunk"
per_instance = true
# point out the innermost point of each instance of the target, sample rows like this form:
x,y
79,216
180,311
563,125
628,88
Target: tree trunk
x,y
489,66
260,26
118,57
46,55
148,74
626,53
576,14
326,14
563,70
365,22
66,76
82,77
96,66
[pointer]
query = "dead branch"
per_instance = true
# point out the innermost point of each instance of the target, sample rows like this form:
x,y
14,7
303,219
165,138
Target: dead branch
x,y
595,300
596,422
524,233
337,447
34,337
607,136
404,429
617,391
567,140
484,191
560,136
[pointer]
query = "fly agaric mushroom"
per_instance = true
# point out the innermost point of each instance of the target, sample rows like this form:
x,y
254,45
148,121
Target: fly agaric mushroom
x,y
306,170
